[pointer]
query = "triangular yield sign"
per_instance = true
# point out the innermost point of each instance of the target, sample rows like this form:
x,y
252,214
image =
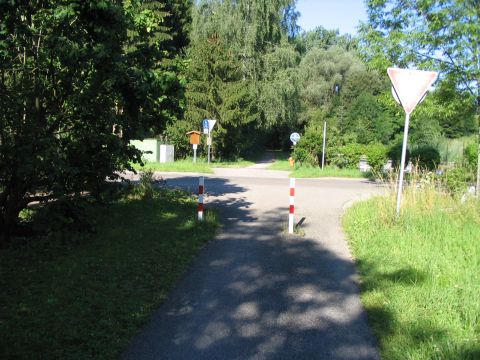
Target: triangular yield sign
x,y
411,85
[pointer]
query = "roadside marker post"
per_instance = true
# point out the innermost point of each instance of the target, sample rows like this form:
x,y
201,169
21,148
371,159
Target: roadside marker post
x,y
410,87
292,206
324,138
201,190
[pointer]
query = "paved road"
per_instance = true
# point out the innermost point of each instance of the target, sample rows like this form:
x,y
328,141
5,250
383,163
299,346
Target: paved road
x,y
256,293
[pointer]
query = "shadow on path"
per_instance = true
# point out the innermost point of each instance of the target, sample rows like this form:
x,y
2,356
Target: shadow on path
x,y
256,293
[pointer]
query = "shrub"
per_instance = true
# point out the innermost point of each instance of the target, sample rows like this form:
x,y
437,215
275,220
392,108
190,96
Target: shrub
x,y
426,156
376,155
471,156
455,180
349,155
309,148
395,154
176,134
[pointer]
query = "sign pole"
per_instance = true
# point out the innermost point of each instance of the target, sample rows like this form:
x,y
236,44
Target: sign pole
x,y
194,153
209,142
324,137
402,164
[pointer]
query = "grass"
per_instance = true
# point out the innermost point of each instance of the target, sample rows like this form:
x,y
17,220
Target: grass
x,y
281,162
304,171
86,295
420,274
187,165
315,172
177,166
452,149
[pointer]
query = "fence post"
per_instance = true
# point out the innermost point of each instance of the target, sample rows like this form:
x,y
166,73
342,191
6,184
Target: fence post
x,y
292,206
201,189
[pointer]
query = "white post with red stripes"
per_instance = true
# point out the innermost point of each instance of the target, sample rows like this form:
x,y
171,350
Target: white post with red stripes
x,y
292,206
201,189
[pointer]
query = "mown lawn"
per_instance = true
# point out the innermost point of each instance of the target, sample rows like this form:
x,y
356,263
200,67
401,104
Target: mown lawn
x,y
420,275
187,165
305,171
86,296
315,172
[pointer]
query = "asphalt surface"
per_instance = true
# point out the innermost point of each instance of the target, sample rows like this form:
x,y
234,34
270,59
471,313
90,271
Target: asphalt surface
x,y
257,293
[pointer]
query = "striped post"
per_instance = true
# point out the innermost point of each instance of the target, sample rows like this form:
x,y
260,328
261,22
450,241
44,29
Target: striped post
x,y
201,189
292,206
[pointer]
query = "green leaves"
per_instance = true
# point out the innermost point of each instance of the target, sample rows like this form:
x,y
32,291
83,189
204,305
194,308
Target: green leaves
x,y
71,73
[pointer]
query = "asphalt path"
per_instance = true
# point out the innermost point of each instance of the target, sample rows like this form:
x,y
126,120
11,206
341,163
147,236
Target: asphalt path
x,y
255,292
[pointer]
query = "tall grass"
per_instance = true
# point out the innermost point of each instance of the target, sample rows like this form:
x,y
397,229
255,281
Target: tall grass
x,y
420,273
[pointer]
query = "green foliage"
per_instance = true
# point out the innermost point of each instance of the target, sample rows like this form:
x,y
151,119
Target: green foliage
x,y
348,156
436,35
308,150
74,96
471,155
376,155
426,156
217,91
394,153
176,134
368,121
455,180
146,187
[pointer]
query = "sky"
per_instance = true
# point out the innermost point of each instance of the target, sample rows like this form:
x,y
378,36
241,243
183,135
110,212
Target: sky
x,y
344,15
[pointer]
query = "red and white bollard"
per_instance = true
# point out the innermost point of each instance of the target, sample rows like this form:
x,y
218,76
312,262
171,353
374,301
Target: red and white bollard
x,y
292,206
201,189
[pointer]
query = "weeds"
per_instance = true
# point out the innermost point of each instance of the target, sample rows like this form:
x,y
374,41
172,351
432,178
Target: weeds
x,y
420,279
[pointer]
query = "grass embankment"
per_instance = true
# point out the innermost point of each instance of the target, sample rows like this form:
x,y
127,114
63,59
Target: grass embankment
x,y
420,275
187,165
304,171
86,299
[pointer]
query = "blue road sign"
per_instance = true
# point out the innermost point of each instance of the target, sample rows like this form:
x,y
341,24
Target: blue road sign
x,y
205,124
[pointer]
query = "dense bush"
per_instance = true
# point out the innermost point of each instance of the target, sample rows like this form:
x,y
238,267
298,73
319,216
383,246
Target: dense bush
x,y
176,134
376,155
426,157
456,180
471,156
309,148
395,154
348,156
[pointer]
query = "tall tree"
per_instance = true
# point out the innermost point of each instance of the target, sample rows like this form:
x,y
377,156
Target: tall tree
x,y
216,90
443,34
74,76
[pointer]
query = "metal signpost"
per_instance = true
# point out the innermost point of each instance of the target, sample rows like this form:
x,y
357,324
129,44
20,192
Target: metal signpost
x,y
324,137
208,125
409,86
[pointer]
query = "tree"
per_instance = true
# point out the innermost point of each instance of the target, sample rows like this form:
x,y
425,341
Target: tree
x,y
73,77
216,90
441,34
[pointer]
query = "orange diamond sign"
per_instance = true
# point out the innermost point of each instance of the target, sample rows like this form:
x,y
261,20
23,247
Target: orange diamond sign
x,y
411,85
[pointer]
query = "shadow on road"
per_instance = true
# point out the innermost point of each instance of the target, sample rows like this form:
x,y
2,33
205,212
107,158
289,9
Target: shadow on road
x,y
257,293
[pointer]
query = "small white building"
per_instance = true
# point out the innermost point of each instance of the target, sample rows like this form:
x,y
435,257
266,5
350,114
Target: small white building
x,y
154,151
